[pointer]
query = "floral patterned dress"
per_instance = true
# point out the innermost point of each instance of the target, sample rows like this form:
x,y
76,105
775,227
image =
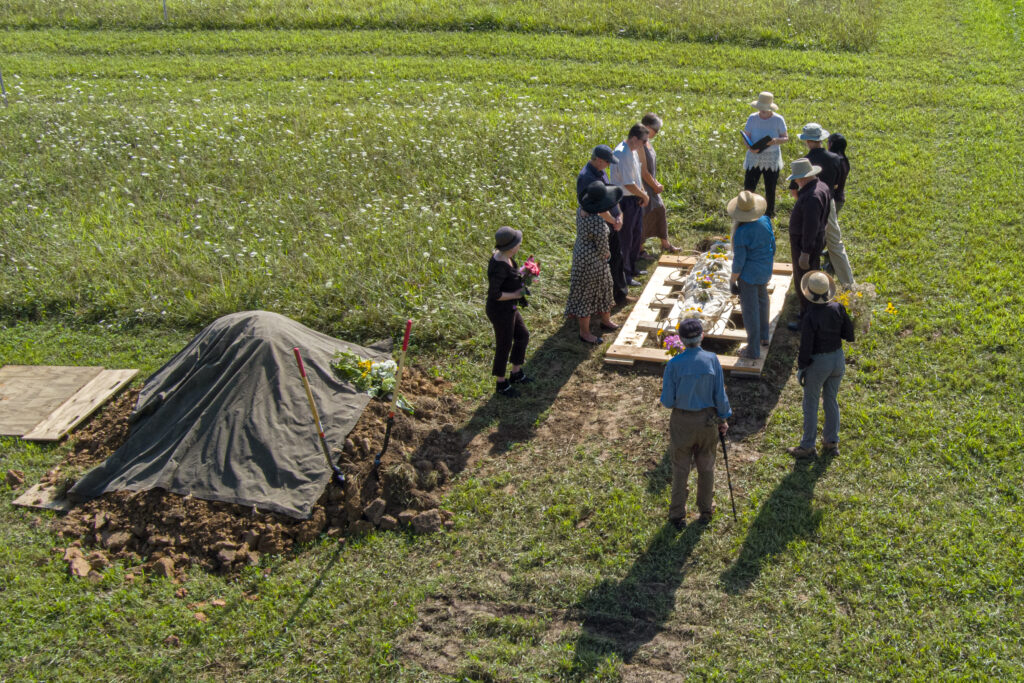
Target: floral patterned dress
x,y
590,284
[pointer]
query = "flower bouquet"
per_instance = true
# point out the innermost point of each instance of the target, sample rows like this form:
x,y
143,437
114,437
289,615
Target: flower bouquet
x,y
857,300
529,271
376,378
673,344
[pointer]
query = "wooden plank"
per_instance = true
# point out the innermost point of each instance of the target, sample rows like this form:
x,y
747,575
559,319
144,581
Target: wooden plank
x,y
652,327
80,406
29,393
44,496
655,290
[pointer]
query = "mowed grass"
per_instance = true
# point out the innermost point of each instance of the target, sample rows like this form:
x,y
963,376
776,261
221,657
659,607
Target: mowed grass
x,y
899,559
844,24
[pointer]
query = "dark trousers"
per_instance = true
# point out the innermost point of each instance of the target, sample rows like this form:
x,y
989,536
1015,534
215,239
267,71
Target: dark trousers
x,y
619,287
510,336
631,235
798,272
771,179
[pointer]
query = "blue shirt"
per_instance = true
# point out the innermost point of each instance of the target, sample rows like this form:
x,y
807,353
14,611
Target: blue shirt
x,y
694,380
588,175
757,128
753,247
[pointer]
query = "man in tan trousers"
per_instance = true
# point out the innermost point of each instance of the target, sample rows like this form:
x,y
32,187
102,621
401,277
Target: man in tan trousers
x,y
693,386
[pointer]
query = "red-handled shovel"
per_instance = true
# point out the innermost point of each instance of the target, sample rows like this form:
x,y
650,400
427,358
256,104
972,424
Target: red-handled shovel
x,y
394,396
338,474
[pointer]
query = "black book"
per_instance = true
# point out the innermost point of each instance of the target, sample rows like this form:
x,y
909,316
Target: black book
x,y
759,146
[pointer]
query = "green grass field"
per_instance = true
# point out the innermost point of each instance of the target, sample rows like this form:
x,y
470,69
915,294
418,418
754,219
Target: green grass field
x,y
348,166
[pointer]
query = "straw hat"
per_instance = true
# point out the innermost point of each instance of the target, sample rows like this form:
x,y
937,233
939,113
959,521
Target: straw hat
x,y
813,131
599,197
765,101
818,287
746,206
803,168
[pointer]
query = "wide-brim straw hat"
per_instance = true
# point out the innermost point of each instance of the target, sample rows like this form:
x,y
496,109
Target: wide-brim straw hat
x,y
746,206
803,168
813,131
599,197
818,287
765,102
507,238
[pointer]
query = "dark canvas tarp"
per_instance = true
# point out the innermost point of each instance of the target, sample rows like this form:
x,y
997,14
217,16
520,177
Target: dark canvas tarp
x,y
227,418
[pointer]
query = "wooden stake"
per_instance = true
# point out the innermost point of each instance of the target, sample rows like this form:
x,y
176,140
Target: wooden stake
x,y
165,11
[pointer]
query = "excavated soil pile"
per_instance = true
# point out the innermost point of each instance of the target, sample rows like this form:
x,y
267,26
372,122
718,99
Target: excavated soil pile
x,y
166,533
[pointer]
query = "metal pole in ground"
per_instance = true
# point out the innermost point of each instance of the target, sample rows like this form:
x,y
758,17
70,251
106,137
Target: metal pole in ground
x,y
165,11
2,88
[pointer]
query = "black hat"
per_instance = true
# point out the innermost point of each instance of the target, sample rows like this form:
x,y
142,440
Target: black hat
x,y
604,152
599,197
506,238
690,328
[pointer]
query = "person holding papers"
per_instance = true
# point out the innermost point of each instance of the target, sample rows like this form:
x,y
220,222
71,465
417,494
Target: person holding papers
x,y
764,132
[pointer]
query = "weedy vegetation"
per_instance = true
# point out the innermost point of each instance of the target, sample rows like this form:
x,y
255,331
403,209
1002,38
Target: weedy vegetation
x,y
347,165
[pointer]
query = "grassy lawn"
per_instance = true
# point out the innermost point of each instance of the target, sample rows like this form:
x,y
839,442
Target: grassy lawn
x,y
156,179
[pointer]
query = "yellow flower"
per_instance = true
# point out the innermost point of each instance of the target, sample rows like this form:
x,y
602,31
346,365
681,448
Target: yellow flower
x,y
890,308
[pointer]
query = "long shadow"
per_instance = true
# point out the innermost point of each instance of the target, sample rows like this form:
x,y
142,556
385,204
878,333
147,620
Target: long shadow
x,y
787,514
622,616
551,365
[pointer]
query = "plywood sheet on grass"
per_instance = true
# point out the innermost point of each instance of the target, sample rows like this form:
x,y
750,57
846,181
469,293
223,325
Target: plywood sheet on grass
x,y
30,393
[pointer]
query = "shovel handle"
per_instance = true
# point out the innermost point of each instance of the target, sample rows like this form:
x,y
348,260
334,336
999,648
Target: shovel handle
x,y
408,329
298,357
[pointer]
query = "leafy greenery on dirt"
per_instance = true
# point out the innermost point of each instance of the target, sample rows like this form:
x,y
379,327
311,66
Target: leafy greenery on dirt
x,y
154,180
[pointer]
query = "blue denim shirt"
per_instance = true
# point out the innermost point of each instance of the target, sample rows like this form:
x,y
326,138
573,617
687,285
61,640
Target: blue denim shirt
x,y
753,247
694,380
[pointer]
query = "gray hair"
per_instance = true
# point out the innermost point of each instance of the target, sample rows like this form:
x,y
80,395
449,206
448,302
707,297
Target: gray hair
x,y
692,342
651,120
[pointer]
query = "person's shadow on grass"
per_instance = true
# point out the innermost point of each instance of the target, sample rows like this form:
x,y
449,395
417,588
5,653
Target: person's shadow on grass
x,y
516,419
786,515
620,617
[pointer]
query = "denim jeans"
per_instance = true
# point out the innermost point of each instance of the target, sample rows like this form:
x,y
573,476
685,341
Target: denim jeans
x,y
824,373
754,306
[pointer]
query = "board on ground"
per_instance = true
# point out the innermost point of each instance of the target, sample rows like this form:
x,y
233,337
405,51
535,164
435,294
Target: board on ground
x,y
660,300
45,402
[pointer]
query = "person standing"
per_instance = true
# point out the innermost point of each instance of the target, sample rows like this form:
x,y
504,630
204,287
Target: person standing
x,y
768,163
505,288
693,386
600,159
753,247
837,145
807,225
590,282
820,362
655,219
831,174
626,174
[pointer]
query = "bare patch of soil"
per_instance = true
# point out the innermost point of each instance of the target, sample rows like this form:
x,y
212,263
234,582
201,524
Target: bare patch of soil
x,y
165,533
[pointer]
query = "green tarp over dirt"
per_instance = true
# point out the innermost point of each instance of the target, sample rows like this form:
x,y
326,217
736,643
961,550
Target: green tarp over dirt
x,y
227,418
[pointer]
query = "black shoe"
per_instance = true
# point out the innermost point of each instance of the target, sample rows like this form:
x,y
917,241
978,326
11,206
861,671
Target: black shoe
x,y
520,378
596,342
634,283
679,523
704,519
506,389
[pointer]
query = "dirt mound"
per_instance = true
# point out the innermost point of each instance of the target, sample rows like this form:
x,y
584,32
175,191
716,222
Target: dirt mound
x,y
166,533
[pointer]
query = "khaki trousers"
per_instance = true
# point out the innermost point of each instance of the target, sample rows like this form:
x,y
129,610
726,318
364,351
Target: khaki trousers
x,y
836,249
693,437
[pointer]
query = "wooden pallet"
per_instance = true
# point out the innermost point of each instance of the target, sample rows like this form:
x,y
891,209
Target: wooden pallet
x,y
658,301
45,402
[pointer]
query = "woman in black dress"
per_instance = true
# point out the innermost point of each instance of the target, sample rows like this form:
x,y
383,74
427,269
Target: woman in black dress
x,y
505,289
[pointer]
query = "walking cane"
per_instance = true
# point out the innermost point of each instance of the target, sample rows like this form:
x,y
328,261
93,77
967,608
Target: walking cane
x,y
394,397
339,476
728,477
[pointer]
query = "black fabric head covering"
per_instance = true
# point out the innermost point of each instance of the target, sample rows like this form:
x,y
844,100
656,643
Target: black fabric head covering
x,y
599,197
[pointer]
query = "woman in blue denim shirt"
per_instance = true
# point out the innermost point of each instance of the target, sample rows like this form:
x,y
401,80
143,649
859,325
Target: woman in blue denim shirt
x,y
753,246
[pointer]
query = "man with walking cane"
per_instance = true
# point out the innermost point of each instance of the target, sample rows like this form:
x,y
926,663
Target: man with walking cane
x,y
693,386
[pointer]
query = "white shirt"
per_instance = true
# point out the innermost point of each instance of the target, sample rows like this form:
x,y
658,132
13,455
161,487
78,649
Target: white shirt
x,y
627,170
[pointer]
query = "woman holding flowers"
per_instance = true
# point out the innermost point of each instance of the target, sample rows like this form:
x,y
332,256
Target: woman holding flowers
x,y
590,282
753,246
504,294
821,363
